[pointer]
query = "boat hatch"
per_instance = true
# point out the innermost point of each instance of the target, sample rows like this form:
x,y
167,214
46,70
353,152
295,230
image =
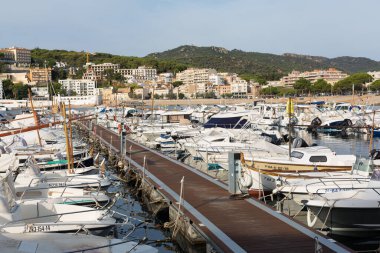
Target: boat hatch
x,y
318,159
296,154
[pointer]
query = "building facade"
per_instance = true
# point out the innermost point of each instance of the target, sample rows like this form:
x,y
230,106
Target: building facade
x,y
195,76
375,75
17,55
39,75
142,73
330,75
81,87
98,69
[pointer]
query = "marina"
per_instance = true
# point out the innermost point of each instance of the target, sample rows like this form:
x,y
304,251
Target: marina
x,y
225,182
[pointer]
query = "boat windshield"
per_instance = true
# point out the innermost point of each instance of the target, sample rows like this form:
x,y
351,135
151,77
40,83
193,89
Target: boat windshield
x,y
364,165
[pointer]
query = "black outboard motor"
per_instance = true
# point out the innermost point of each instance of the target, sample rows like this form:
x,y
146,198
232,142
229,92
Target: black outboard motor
x,y
299,143
316,122
375,154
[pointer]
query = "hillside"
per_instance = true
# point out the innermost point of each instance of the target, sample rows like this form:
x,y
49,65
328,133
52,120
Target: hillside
x,y
270,66
78,59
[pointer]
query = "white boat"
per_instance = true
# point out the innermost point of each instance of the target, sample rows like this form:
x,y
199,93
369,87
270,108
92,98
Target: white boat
x,y
304,186
31,216
31,176
60,243
350,212
265,168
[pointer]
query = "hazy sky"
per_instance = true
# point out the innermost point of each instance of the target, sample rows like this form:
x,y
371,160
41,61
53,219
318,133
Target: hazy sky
x,y
137,27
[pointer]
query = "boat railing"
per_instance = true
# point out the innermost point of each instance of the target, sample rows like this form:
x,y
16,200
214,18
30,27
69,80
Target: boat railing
x,y
64,183
31,189
335,184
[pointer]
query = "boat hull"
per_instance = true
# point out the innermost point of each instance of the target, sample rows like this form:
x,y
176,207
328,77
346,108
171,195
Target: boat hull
x,y
355,222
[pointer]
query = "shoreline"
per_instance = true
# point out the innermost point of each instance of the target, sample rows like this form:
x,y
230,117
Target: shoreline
x,y
361,100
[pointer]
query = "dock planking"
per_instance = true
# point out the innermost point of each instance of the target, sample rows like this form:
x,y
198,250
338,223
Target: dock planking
x,y
233,225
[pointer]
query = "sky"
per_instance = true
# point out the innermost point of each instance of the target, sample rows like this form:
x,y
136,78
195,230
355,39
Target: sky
x,y
327,28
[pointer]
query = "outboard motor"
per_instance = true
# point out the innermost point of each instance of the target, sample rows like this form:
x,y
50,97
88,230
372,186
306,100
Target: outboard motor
x,y
375,154
299,143
316,122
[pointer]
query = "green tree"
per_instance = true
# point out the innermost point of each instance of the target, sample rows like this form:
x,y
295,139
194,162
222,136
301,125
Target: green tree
x,y
171,95
177,84
357,80
375,86
321,86
20,91
7,89
181,96
56,88
302,86
270,91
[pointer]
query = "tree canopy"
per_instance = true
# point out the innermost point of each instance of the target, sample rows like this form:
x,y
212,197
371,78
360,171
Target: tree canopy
x,y
375,86
357,80
321,86
302,86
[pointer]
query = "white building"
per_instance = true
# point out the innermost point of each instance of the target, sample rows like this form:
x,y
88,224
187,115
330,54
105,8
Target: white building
x,y
375,75
41,91
239,87
195,76
165,78
216,79
204,87
142,73
81,87
100,68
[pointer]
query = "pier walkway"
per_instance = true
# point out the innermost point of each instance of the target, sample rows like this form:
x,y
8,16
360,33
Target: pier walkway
x,y
233,225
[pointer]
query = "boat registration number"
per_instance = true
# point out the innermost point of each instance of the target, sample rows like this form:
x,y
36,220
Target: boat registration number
x,y
33,229
57,184
337,190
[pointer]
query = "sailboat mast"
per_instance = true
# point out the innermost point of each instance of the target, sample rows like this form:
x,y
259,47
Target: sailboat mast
x,y
35,116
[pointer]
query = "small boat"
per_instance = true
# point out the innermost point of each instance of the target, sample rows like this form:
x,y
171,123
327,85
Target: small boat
x,y
31,216
350,212
265,168
60,243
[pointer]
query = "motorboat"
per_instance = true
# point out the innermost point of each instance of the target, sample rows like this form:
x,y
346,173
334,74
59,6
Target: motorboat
x,y
31,216
57,242
351,211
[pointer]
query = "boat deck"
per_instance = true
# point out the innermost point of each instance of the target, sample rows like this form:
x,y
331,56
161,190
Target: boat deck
x,y
233,225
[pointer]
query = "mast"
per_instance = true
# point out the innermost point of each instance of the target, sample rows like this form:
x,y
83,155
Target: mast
x,y
71,138
289,109
152,105
372,132
68,156
35,116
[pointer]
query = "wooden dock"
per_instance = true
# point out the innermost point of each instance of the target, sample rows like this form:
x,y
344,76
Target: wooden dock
x,y
233,225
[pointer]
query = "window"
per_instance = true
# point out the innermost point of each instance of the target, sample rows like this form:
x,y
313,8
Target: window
x,y
318,158
296,154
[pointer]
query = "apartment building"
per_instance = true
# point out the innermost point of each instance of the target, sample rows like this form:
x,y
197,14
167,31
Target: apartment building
x,y
239,87
195,76
17,55
99,69
331,76
222,89
204,87
81,87
216,79
39,75
165,78
142,73
375,75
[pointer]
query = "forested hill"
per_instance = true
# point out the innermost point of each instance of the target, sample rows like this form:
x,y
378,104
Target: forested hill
x,y
269,66
252,64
